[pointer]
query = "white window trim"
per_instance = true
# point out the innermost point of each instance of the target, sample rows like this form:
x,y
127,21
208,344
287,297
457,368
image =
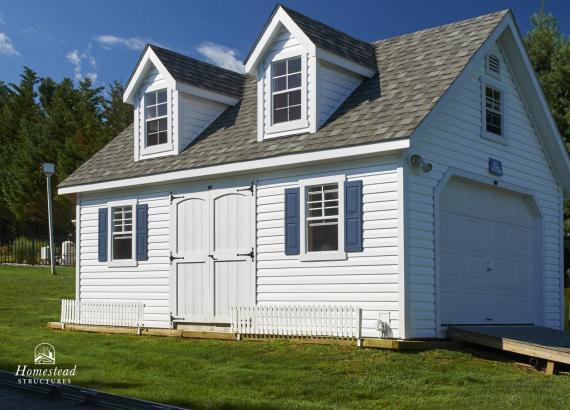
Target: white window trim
x,y
339,254
289,127
501,139
161,148
121,262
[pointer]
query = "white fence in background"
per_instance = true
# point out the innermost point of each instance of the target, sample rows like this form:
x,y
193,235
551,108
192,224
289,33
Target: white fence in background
x,y
107,313
297,320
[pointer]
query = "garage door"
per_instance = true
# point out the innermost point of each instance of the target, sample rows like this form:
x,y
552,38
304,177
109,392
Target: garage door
x,y
487,257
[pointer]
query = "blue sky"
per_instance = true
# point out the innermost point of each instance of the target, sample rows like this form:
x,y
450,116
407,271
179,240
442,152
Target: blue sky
x,y
103,39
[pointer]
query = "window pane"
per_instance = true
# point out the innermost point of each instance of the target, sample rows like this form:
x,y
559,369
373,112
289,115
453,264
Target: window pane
x,y
295,113
322,237
152,126
149,99
279,84
151,139
150,112
279,115
163,137
161,96
294,80
294,65
294,97
280,100
162,124
331,211
279,68
123,247
161,110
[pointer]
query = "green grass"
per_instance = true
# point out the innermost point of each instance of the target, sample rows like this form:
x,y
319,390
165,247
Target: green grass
x,y
269,375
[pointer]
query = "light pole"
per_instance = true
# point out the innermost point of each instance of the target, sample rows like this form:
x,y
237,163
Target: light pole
x,y
49,170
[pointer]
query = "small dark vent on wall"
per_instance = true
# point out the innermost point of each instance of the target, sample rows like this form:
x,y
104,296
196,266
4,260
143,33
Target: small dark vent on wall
x,y
493,64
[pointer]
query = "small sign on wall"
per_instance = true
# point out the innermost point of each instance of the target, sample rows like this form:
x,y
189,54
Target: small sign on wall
x,y
495,167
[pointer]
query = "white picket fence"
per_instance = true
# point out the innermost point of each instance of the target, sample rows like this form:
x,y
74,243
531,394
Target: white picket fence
x,y
297,320
105,313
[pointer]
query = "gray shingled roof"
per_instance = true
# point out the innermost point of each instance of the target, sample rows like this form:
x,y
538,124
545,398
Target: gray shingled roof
x,y
199,73
415,71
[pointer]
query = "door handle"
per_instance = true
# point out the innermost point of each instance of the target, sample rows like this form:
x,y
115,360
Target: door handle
x,y
250,254
172,257
213,257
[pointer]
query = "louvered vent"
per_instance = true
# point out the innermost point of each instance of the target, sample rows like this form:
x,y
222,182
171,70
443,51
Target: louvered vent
x,y
493,64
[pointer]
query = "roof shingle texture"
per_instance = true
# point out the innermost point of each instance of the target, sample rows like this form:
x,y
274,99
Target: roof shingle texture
x,y
200,74
415,70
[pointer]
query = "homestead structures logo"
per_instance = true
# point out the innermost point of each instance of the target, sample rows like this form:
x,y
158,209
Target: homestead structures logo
x,y
47,373
44,354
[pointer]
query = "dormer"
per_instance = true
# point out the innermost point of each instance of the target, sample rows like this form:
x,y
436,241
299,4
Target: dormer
x,y
175,98
305,70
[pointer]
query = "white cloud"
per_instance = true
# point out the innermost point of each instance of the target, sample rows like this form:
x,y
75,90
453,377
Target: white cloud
x,y
79,59
133,43
6,46
221,56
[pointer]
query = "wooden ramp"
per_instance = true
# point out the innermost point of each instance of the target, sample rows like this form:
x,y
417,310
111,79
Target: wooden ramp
x,y
534,341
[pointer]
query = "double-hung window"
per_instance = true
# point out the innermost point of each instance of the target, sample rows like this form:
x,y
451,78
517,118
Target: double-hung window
x,y
122,232
156,117
493,110
322,218
286,90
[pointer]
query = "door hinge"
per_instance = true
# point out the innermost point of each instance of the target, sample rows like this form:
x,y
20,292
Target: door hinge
x,y
173,197
172,257
250,188
250,254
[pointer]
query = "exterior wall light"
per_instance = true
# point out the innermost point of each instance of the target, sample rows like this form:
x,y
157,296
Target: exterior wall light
x,y
418,162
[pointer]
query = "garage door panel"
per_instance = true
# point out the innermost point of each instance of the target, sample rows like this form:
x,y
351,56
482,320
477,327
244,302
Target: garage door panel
x,y
486,259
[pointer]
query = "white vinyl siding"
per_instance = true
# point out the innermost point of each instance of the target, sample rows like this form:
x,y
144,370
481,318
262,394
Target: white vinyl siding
x,y
454,140
196,114
368,279
334,86
148,282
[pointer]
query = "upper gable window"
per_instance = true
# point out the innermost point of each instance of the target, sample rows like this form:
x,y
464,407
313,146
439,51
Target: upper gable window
x,y
286,90
493,110
156,117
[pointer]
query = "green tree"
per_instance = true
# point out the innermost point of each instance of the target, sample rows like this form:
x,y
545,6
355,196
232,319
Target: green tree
x,y
549,51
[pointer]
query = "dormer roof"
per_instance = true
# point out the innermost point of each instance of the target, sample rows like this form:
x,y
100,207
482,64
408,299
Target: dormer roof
x,y
186,70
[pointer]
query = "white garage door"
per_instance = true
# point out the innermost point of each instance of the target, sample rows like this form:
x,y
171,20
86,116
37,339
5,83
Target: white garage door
x,y
487,265
212,252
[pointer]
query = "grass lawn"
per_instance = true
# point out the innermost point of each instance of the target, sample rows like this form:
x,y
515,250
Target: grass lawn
x,y
268,375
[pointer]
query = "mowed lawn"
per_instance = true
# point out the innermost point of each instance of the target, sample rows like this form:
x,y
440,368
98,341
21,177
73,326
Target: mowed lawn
x,y
268,375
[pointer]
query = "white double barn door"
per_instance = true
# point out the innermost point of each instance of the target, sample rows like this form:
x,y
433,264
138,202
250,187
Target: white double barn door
x,y
212,247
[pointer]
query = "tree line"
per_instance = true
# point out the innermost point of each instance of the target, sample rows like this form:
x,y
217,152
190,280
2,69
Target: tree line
x,y
42,120
64,122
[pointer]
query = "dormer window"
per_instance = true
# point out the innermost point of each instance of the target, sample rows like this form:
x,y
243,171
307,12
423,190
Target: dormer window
x,y
286,90
156,117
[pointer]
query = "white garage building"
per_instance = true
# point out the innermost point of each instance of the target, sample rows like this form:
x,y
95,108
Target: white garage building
x,y
419,179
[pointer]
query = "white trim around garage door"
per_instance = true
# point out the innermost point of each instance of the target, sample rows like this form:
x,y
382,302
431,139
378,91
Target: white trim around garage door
x,y
539,236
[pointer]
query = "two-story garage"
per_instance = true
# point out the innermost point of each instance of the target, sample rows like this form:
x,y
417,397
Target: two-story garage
x,y
418,178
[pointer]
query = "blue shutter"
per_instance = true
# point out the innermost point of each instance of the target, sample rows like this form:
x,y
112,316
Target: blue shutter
x,y
353,216
142,232
292,225
102,242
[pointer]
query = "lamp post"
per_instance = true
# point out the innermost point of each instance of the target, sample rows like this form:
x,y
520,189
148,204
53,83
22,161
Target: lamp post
x,y
49,170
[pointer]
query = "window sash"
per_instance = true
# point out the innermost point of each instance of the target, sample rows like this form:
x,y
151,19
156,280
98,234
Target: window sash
x,y
121,228
493,110
160,136
322,209
289,111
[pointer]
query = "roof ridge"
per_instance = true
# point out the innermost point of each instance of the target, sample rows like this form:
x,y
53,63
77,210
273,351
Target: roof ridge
x,y
227,70
447,25
288,9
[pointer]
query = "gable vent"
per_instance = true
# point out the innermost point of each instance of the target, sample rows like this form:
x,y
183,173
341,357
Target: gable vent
x,y
493,64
